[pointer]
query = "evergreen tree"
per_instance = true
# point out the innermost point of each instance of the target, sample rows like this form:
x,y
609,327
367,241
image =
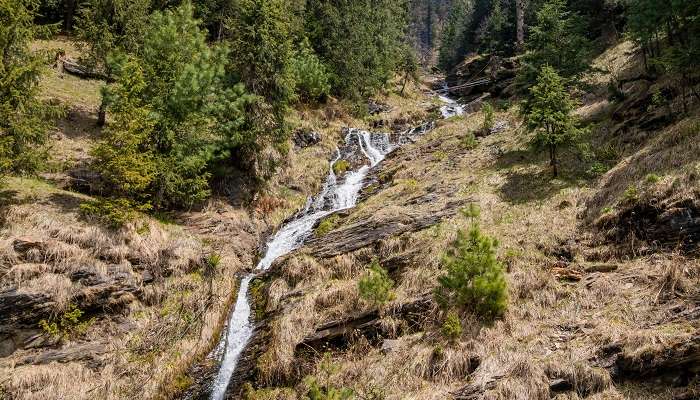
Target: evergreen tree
x,y
556,40
174,114
24,118
548,113
376,286
474,279
361,41
106,27
453,39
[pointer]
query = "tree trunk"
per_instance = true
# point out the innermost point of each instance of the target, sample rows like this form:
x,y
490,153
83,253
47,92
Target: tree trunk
x,y
554,160
69,13
520,6
102,114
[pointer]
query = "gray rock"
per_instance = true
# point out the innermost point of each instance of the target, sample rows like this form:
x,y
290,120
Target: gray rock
x,y
304,139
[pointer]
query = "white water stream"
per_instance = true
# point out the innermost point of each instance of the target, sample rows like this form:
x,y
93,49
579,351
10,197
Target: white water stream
x,y
333,197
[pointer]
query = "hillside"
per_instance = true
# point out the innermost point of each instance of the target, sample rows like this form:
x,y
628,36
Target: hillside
x,y
601,269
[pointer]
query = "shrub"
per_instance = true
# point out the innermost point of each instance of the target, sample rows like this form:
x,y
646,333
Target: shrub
x,y
488,117
341,167
452,327
474,279
113,212
652,179
469,141
310,75
69,324
327,392
376,286
326,225
630,195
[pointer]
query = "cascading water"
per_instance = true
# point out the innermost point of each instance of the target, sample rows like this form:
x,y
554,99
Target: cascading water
x,y
451,108
333,197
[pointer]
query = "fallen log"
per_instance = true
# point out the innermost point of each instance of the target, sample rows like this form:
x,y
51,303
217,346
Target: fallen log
x,y
80,71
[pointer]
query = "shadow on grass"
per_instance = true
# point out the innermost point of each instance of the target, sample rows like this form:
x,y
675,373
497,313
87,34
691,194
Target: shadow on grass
x,y
10,197
66,201
529,176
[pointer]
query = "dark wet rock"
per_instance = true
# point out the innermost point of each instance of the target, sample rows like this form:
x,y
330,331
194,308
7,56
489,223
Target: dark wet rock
x,y
375,107
303,138
335,334
363,233
89,354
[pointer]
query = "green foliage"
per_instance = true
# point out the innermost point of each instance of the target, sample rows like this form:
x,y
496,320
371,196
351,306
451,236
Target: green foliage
x,y
214,260
630,195
70,324
318,392
310,74
474,279
360,41
556,40
341,166
488,111
452,327
24,118
106,27
453,35
174,114
260,34
652,179
469,141
376,286
113,212
326,225
548,113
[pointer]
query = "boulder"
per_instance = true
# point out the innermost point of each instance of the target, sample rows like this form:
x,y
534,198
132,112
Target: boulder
x,y
303,139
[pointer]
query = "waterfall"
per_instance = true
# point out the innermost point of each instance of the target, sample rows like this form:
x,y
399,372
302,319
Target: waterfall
x,y
451,108
374,147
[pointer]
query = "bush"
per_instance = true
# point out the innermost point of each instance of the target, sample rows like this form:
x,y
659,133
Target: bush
x,y
341,166
469,141
376,286
326,225
310,75
474,280
113,212
69,324
452,327
328,392
488,117
630,195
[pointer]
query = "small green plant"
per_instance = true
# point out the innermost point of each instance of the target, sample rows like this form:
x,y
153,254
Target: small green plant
x,y
652,179
69,324
474,278
326,392
440,155
113,212
657,100
452,327
326,225
341,166
214,260
469,141
606,210
488,117
597,169
410,185
376,286
630,195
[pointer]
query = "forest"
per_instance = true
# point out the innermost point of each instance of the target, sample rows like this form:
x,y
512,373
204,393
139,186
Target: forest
x,y
350,199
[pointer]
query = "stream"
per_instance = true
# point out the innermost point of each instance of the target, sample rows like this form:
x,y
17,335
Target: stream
x,y
372,147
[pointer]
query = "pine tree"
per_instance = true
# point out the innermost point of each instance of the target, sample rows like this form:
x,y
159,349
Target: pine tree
x,y
474,279
175,113
376,286
24,118
548,113
556,40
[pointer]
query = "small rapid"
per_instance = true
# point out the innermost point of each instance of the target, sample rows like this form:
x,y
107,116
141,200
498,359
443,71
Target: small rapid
x,y
333,197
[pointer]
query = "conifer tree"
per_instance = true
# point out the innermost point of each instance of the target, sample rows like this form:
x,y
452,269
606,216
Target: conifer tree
x,y
376,286
556,40
548,113
474,279
174,114
24,118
